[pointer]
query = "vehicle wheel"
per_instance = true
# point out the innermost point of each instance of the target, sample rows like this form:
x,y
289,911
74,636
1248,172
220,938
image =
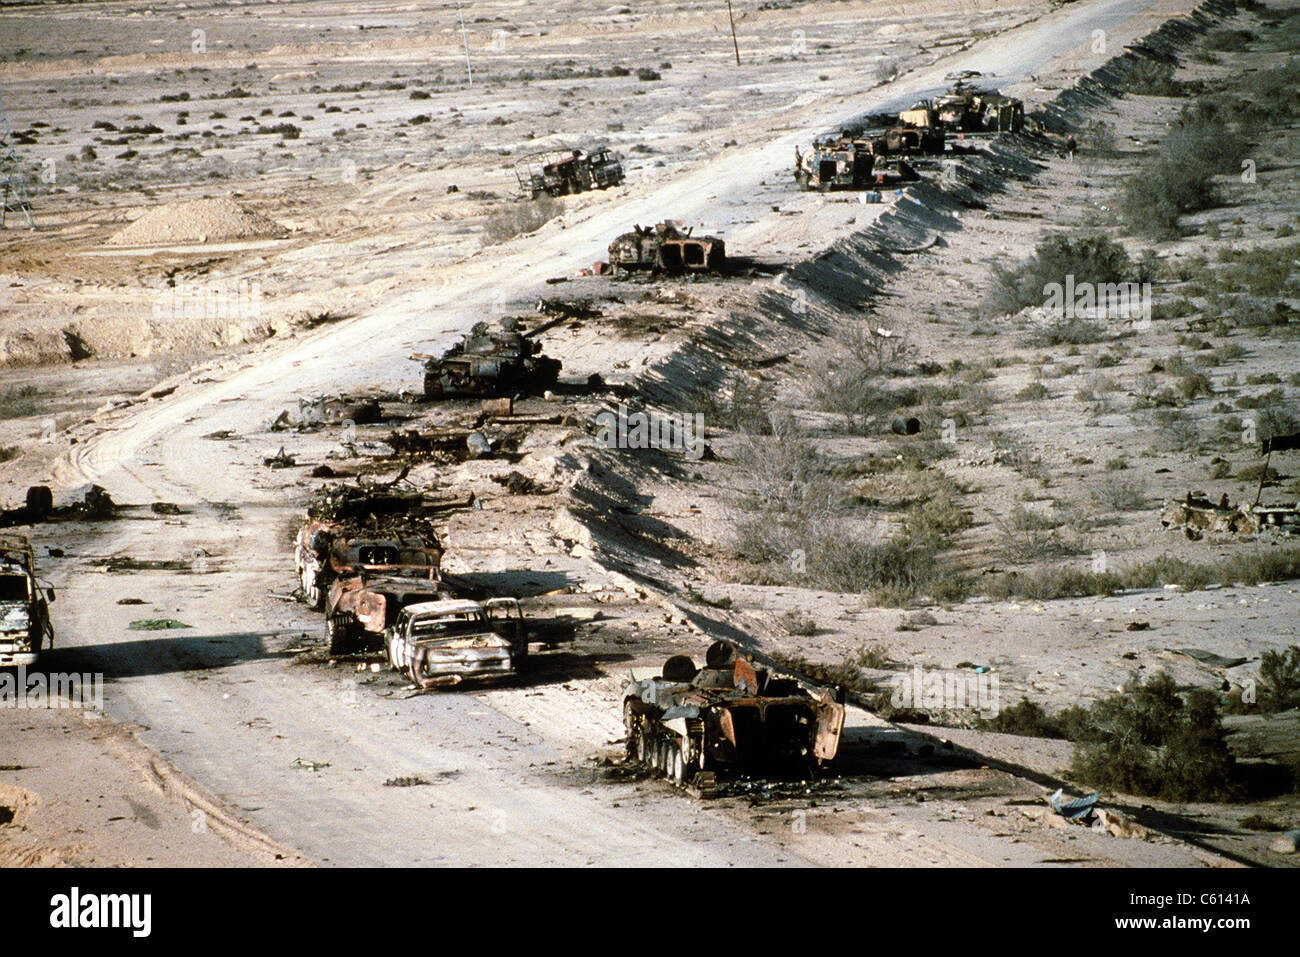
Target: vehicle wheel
x,y
337,635
311,591
677,769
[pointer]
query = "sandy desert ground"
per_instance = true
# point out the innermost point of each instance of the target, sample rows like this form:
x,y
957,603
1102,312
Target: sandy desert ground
x,y
354,177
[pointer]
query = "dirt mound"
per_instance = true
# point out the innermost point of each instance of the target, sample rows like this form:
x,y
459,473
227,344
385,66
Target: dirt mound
x,y
197,221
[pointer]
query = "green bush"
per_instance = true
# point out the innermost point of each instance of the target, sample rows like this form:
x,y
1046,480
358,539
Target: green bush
x,y
1090,258
1177,179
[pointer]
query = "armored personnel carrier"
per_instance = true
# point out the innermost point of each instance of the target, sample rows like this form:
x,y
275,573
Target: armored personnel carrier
x,y
730,716
666,248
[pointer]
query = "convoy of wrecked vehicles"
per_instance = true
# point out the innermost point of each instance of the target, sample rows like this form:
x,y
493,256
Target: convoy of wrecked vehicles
x,y
377,577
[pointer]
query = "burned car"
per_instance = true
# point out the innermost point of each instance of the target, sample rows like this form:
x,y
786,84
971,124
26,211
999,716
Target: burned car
x,y
495,363
666,248
730,716
24,605
561,172
441,643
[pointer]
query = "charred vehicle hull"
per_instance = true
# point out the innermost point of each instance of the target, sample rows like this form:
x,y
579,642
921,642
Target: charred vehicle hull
x,y
361,577
666,248
726,718
24,609
495,364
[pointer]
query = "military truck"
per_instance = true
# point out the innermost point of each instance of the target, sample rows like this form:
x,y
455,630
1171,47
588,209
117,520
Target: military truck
x,y
561,172
487,362
24,605
730,716
666,248
446,642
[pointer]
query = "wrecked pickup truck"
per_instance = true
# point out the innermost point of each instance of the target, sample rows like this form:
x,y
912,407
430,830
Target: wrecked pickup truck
x,y
729,716
442,643
497,363
24,605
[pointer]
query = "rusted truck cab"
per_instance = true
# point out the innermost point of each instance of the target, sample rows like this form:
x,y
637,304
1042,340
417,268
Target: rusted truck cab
x,y
446,642
730,716
24,605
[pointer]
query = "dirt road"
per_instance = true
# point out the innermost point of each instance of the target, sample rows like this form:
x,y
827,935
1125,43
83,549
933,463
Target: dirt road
x,y
224,703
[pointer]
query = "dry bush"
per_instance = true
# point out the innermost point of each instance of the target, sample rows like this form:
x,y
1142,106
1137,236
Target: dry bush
x,y
518,218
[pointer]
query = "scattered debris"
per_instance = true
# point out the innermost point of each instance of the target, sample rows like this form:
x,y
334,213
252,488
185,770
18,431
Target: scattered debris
x,y
1209,657
156,624
302,764
1288,843
280,460
407,781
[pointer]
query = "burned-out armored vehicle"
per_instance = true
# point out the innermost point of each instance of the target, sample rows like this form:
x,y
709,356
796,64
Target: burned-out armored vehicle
x,y
489,362
561,172
666,248
834,164
728,717
361,577
445,642
24,605
967,109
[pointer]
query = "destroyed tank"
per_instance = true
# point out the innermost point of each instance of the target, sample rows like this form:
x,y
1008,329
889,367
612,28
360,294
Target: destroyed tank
x,y
666,248
691,724
494,363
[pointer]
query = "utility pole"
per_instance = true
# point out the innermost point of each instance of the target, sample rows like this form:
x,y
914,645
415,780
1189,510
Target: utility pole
x,y
732,17
465,37
13,187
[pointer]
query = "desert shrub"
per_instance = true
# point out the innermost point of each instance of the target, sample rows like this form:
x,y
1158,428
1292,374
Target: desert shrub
x,y
1027,718
1228,40
19,402
1152,78
1090,258
1148,740
1176,430
1121,494
797,623
742,405
1033,392
1099,135
522,217
1177,179
1279,676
